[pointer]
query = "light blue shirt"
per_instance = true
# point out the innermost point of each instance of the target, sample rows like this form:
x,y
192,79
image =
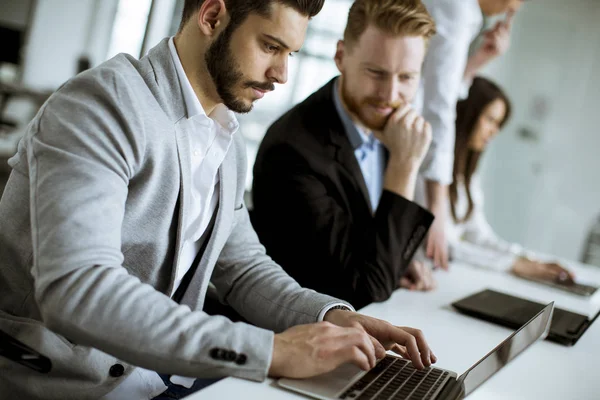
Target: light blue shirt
x,y
369,151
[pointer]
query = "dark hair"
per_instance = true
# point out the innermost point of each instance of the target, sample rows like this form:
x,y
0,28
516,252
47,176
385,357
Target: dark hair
x,y
240,9
482,93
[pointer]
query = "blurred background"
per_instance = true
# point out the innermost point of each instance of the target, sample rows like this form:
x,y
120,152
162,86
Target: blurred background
x,y
541,175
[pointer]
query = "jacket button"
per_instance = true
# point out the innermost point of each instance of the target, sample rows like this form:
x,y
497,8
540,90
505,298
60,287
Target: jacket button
x,y
230,356
116,370
241,360
215,353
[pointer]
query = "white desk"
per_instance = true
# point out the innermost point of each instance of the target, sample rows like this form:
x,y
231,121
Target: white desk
x,y
545,371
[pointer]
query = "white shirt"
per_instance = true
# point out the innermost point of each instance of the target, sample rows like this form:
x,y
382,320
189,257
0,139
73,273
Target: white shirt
x,y
458,23
208,147
474,241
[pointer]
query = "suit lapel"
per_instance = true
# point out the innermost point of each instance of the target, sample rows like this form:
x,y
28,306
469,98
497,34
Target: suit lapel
x,y
328,119
183,153
344,155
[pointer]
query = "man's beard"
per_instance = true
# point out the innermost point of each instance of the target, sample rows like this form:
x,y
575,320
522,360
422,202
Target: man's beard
x,y
356,108
227,75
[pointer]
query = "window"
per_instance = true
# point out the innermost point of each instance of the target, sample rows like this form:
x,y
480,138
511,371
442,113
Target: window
x,y
130,27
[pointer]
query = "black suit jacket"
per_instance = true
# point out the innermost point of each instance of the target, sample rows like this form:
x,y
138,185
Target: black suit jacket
x,y
313,214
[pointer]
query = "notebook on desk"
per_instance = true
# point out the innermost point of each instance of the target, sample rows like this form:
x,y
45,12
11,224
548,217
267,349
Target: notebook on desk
x,y
510,311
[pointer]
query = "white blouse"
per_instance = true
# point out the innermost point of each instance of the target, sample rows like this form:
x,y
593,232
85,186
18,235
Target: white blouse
x,y
474,241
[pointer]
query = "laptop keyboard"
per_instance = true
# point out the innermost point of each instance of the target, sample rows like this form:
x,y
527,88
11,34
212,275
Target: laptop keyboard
x,y
396,378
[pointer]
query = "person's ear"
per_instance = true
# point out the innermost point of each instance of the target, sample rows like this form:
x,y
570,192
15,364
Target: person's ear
x,y
211,16
340,52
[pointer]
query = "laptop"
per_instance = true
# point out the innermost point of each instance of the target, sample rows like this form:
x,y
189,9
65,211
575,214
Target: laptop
x,y
395,378
510,311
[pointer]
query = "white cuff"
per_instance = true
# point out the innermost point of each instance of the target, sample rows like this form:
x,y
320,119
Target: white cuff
x,y
330,306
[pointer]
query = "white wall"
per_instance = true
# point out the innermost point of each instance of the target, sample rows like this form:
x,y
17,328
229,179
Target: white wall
x,y
62,31
545,192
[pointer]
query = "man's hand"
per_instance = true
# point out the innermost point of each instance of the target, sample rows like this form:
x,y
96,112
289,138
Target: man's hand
x,y
344,337
418,276
407,137
408,342
496,41
552,272
308,350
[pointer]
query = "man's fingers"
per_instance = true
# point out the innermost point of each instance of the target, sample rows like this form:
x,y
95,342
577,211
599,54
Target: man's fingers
x,y
359,338
379,349
431,284
400,350
417,275
409,119
401,112
406,283
425,278
419,124
433,358
420,276
355,346
355,356
428,131
413,351
406,337
422,347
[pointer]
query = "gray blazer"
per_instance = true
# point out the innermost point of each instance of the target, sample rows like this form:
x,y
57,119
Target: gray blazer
x,y
90,232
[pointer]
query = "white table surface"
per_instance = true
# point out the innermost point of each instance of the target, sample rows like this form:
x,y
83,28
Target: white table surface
x,y
545,371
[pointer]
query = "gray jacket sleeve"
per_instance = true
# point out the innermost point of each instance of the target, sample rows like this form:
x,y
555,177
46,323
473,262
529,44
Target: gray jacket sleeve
x,y
82,152
260,290
247,279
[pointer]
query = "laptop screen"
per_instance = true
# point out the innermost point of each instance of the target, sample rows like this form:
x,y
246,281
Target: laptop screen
x,y
535,329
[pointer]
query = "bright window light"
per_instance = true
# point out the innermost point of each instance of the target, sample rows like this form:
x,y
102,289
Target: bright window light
x,y
130,27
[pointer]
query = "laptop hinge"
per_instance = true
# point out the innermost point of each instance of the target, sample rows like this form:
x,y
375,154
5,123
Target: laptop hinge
x,y
452,391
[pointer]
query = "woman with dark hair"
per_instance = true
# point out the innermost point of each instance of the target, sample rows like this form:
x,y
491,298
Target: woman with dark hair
x,y
479,118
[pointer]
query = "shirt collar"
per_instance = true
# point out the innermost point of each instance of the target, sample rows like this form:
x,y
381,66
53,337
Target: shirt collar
x,y
356,135
220,114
